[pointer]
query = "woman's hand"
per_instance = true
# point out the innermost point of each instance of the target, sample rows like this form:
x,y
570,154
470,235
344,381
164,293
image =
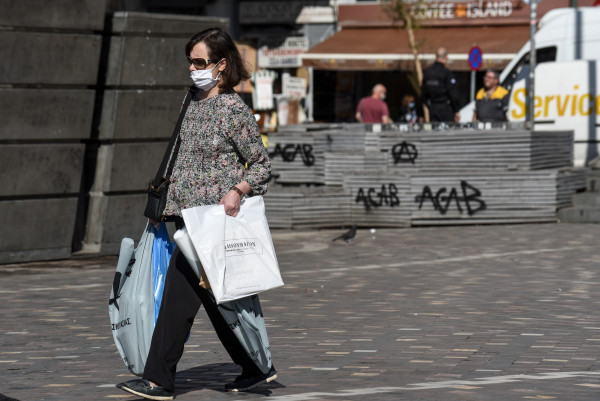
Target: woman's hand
x,y
231,201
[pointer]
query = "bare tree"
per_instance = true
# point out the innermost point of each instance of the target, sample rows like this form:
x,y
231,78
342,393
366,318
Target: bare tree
x,y
400,11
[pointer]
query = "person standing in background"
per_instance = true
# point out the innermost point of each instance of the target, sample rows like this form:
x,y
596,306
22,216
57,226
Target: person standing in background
x,y
439,90
491,101
409,112
372,109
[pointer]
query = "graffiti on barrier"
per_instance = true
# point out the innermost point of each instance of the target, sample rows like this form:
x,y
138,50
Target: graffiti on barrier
x,y
387,196
290,151
404,152
442,200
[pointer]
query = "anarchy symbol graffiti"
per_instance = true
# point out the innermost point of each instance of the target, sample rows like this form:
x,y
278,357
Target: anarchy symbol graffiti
x,y
404,153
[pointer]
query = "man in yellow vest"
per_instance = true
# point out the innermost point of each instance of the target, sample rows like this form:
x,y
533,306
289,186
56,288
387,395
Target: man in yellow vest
x,y
491,101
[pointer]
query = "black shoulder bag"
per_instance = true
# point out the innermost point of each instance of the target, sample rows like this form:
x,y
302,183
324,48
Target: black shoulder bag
x,y
159,186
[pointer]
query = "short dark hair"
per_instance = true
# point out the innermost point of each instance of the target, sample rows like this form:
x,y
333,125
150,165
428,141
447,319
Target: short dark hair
x,y
220,46
494,73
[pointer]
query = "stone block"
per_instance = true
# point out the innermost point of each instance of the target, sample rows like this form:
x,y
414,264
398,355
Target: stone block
x,y
593,180
579,214
48,114
587,200
49,58
112,218
40,229
64,14
140,114
147,61
149,49
126,219
34,169
128,166
154,24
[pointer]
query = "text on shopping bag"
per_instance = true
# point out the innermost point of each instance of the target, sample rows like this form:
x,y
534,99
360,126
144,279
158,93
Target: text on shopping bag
x,y
240,247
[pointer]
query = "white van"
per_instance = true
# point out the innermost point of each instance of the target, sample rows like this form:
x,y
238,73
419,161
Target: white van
x,y
567,97
563,35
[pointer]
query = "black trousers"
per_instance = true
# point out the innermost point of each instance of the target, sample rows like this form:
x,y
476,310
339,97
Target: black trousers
x,y
441,112
182,297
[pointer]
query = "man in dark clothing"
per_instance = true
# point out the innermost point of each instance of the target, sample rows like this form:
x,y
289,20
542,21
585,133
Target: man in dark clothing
x,y
439,90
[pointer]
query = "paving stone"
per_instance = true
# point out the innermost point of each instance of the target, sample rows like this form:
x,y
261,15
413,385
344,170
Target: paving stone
x,y
456,313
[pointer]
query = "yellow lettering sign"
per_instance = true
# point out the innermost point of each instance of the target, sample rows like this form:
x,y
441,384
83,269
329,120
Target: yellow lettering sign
x,y
557,105
547,102
537,104
519,100
588,111
561,108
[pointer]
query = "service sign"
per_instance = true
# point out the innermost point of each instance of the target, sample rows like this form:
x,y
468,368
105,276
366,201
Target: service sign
x,y
566,99
287,56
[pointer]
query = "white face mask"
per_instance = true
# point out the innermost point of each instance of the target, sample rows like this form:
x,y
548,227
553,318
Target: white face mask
x,y
203,79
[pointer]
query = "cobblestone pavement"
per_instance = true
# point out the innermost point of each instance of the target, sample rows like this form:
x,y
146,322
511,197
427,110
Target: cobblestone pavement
x,y
452,313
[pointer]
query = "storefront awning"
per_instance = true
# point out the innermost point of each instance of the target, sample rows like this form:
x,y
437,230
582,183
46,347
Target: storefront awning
x,y
388,48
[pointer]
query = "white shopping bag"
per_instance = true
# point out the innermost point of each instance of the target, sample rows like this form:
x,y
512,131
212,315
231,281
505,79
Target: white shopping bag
x,y
236,253
184,242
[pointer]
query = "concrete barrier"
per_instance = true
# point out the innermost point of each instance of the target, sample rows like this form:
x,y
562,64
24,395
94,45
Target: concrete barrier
x,y
46,114
404,178
49,58
67,14
49,169
37,229
49,62
148,49
140,114
128,167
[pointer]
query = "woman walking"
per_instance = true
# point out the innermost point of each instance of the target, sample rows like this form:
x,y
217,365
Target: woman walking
x,y
220,159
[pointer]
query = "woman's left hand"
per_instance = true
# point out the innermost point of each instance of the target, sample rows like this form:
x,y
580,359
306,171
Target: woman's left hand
x,y
231,201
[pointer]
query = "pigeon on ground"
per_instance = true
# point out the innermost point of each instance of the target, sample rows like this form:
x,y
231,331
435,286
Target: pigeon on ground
x,y
347,236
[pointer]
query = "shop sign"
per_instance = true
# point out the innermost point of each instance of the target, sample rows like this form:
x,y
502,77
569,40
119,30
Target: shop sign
x,y
262,98
293,87
286,56
463,10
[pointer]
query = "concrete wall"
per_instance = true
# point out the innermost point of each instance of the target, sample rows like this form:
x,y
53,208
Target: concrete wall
x,y
146,81
89,100
49,62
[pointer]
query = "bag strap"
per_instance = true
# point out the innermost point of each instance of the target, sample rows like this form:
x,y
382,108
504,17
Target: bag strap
x,y
172,161
163,165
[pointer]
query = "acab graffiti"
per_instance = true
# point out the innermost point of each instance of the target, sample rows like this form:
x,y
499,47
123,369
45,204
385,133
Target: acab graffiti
x,y
442,200
387,196
289,152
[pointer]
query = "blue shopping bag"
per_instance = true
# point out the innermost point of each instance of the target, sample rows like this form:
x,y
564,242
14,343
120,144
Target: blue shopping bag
x,y
162,249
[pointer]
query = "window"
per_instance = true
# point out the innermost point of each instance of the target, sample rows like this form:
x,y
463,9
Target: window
x,y
543,55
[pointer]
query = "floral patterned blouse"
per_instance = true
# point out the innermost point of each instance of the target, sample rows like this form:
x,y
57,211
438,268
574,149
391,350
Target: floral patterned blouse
x,y
218,137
